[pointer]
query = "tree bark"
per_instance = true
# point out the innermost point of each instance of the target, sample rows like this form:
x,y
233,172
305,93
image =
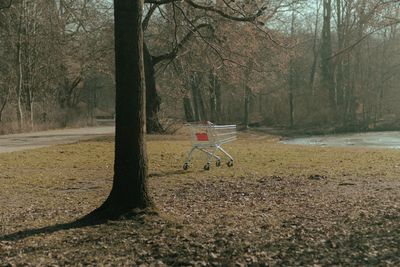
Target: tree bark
x,y
315,50
327,75
20,114
153,100
129,191
246,106
292,78
215,97
218,101
193,87
247,94
291,107
187,106
4,103
198,104
213,100
31,110
202,107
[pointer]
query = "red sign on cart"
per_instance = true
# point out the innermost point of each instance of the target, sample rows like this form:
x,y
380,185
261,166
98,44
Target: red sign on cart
x,y
202,137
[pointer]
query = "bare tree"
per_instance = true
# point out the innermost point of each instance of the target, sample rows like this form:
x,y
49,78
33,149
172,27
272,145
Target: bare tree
x,y
327,71
129,191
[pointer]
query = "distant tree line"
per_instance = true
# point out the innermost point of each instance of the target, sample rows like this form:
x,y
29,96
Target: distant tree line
x,y
288,63
322,63
55,63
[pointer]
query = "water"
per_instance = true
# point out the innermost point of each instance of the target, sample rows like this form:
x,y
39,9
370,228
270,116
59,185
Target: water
x,y
371,139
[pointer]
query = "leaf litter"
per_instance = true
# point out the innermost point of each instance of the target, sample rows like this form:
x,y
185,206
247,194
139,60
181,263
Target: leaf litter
x,y
279,205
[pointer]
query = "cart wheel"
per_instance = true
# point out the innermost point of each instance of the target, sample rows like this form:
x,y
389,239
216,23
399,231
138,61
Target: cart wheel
x,y
230,163
207,167
218,163
185,166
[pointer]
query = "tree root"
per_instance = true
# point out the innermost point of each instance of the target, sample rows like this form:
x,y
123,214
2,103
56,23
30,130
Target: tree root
x,y
106,213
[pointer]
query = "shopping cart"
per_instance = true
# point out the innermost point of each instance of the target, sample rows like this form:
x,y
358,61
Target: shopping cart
x,y
208,138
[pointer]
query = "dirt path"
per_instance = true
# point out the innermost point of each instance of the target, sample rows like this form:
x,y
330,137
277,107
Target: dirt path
x,y
17,142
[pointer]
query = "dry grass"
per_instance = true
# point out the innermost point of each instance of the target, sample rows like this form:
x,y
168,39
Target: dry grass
x,y
279,205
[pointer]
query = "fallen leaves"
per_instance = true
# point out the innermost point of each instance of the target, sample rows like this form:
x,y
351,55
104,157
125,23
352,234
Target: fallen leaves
x,y
266,210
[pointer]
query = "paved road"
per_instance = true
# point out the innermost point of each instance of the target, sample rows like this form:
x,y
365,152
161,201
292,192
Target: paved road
x,y
16,142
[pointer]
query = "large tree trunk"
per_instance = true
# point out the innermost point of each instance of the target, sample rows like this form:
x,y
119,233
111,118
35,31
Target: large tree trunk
x,y
213,106
339,60
292,78
247,95
198,104
193,87
215,97
187,106
291,107
31,110
315,50
4,103
20,114
153,100
129,191
327,74
218,102
356,74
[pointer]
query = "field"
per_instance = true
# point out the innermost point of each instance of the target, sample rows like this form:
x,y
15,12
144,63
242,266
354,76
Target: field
x,y
279,205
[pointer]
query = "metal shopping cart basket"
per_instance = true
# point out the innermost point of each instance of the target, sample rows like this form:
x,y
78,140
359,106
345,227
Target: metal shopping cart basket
x,y
208,138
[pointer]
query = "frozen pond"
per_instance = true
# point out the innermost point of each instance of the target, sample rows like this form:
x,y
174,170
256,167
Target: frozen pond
x,y
371,139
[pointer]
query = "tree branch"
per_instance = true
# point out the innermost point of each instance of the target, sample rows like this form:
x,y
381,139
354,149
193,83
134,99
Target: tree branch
x,y
223,14
160,2
146,19
212,9
172,54
7,5
350,47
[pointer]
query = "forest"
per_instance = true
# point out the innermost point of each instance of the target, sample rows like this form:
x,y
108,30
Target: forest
x,y
213,152
328,64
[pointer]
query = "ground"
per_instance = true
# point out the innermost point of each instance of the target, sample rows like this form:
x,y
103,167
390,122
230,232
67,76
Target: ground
x,y
23,141
280,205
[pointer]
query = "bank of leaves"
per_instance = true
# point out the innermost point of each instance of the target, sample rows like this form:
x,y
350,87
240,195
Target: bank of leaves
x,y
266,210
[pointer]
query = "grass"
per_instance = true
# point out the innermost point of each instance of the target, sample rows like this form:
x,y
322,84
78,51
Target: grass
x,y
279,205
